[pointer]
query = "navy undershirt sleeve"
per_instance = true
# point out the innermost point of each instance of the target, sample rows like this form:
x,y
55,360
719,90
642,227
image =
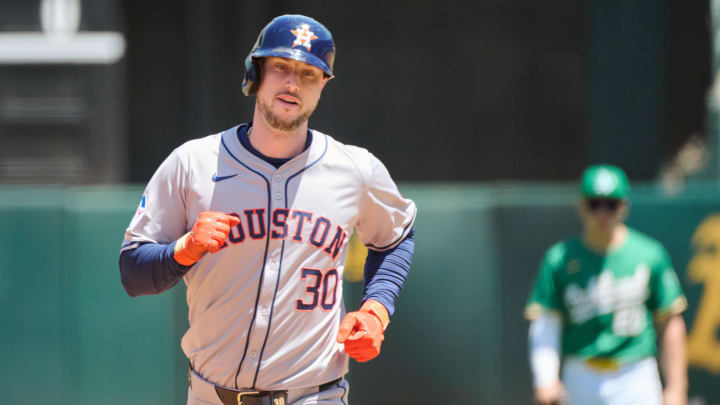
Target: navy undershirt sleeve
x,y
150,269
386,272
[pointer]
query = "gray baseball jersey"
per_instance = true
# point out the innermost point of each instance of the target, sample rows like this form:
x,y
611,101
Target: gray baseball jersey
x,y
264,311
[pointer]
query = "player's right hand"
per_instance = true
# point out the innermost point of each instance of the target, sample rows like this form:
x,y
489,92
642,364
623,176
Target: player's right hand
x,y
551,394
207,235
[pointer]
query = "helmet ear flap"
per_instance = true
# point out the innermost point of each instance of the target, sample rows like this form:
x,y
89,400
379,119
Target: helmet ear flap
x,y
252,77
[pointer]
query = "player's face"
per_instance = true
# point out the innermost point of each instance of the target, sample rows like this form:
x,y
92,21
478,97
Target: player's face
x,y
289,92
602,214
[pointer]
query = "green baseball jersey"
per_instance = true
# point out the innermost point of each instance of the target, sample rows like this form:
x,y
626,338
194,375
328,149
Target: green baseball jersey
x,y
608,301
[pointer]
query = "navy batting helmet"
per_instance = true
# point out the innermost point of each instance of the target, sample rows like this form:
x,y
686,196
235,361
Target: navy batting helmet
x,y
293,37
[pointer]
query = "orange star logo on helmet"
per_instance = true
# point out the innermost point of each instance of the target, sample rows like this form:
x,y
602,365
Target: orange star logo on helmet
x,y
303,36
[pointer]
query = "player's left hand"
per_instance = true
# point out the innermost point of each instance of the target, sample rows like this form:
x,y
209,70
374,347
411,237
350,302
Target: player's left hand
x,y
362,334
673,396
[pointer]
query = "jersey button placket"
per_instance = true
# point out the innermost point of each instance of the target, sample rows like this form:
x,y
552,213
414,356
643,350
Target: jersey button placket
x,y
261,325
265,301
277,194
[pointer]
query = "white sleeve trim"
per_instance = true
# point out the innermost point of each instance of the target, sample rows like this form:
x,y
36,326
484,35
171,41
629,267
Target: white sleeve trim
x,y
129,246
544,337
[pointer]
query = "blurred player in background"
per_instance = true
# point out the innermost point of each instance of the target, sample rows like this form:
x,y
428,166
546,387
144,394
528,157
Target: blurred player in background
x,y
597,303
256,220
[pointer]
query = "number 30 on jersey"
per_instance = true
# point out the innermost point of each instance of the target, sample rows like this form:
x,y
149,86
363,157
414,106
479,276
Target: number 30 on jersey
x,y
321,289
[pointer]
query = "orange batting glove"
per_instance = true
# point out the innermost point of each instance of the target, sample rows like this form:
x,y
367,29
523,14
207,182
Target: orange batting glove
x,y
207,235
362,331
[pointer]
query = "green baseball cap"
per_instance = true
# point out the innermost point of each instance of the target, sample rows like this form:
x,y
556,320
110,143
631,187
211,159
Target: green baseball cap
x,y
604,181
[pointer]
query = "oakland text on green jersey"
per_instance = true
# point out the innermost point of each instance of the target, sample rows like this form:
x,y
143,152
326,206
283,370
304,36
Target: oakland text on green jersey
x,y
607,301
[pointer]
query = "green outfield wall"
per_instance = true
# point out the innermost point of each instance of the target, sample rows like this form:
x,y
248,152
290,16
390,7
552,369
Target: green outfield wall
x,y
70,334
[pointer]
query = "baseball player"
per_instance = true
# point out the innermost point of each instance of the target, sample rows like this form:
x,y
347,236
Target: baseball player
x,y
594,302
256,220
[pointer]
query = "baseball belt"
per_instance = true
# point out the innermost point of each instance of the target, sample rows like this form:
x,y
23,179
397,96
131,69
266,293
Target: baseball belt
x,y
232,397
603,364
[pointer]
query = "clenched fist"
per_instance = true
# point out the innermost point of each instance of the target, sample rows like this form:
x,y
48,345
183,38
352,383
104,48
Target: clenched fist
x,y
207,235
362,331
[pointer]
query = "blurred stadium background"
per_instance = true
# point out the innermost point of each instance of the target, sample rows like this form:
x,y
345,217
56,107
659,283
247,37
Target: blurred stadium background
x,y
485,112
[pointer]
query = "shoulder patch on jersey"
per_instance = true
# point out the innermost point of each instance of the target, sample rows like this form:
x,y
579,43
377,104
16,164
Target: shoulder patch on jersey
x,y
141,206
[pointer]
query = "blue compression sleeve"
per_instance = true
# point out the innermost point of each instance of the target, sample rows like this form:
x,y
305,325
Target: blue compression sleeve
x,y
385,272
150,269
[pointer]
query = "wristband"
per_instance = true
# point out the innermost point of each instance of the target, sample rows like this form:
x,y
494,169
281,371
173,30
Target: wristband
x,y
377,309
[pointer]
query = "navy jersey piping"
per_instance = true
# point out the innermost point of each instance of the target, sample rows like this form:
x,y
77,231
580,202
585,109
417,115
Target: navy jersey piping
x,y
262,270
342,399
400,238
282,253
